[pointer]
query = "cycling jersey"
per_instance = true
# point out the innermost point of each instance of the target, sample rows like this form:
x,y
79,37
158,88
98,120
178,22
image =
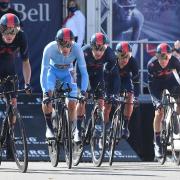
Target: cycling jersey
x,y
129,75
163,78
54,64
98,70
8,53
155,71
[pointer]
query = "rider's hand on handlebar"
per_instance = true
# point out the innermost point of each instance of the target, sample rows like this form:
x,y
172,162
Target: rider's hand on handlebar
x,y
83,96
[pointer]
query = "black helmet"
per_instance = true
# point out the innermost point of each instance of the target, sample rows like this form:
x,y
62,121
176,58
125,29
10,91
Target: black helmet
x,y
98,39
9,20
127,3
163,48
64,35
123,48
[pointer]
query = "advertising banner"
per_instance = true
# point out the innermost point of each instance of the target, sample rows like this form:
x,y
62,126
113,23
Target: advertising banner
x,y
41,19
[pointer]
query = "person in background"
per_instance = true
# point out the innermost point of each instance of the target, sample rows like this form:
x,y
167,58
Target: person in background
x,y
6,8
176,49
75,21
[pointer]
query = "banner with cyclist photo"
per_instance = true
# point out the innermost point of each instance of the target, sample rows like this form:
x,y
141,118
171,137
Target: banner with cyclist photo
x,y
146,19
41,19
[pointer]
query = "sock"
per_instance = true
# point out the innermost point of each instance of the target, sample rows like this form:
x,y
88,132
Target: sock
x,y
79,122
157,137
48,120
126,122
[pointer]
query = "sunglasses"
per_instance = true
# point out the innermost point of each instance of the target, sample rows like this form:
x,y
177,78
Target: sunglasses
x,y
65,44
99,48
162,57
122,55
10,31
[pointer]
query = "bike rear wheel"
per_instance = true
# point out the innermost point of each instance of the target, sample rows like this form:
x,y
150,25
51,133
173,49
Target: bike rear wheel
x,y
98,137
86,137
175,138
19,143
164,139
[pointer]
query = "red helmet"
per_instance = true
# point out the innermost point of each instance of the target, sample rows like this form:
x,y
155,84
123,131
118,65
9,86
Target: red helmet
x,y
98,39
123,48
64,35
11,21
163,48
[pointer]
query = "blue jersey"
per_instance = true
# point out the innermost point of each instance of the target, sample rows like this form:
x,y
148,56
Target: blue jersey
x,y
52,57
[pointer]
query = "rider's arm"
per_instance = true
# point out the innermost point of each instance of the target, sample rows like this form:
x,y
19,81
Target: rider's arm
x,y
26,71
83,69
44,69
111,70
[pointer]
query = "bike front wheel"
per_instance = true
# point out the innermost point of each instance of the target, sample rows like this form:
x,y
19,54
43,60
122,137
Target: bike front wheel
x,y
67,140
19,143
98,137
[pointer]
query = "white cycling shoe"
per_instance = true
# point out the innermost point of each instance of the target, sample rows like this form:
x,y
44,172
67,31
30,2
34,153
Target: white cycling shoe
x,y
49,133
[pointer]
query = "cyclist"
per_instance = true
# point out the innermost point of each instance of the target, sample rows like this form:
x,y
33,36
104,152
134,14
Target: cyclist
x,y
163,70
57,63
100,59
129,77
12,41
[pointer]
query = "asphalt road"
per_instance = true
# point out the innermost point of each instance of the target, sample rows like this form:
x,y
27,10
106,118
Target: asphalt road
x,y
86,171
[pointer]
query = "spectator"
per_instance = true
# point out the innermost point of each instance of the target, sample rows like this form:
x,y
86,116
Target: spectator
x,y
75,21
5,8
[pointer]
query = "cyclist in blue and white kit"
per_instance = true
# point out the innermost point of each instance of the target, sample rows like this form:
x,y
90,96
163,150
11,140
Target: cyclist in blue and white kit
x,y
57,63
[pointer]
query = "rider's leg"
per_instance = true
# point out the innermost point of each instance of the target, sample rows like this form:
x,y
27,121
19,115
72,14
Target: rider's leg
x,y
47,110
128,109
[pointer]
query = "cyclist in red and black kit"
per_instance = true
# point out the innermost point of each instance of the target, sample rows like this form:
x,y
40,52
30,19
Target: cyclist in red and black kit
x,y
129,80
163,73
99,58
12,41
